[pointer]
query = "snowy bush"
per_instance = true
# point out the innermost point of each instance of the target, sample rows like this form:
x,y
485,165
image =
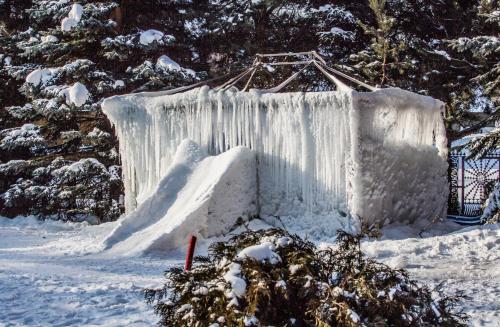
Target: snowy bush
x,y
122,47
491,213
273,278
22,141
82,190
98,137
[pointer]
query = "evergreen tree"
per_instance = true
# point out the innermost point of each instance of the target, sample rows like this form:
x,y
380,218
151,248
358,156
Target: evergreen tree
x,y
57,65
59,59
480,49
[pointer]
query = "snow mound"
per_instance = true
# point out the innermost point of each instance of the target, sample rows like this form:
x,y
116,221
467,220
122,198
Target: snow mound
x,y
76,12
49,39
199,194
167,63
76,94
74,17
150,36
41,76
68,23
260,252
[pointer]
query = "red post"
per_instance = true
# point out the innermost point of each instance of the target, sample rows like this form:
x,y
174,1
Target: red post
x,y
190,253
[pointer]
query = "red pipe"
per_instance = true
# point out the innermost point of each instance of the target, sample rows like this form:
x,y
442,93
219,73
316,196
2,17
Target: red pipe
x,y
190,253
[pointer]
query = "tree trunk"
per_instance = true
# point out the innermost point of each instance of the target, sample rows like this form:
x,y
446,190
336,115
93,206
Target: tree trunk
x,y
261,28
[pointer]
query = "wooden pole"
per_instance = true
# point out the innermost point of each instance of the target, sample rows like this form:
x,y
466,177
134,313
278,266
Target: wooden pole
x,y
190,253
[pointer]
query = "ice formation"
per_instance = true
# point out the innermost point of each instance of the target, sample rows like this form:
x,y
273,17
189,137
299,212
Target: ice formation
x,y
376,156
400,160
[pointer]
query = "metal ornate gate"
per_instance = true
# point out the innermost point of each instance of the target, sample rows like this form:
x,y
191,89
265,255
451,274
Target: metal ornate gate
x,y
471,181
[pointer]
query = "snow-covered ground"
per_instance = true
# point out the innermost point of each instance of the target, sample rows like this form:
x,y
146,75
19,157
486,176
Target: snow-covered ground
x,y
465,259
50,274
46,279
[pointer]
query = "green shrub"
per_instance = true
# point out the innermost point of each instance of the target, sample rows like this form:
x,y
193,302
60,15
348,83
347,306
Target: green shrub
x,y
272,278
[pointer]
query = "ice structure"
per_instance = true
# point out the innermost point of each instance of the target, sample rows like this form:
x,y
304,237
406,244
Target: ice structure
x,y
377,156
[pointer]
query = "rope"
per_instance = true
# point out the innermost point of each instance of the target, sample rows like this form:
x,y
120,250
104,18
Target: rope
x,y
249,80
317,56
285,54
235,79
252,71
287,81
340,86
317,60
287,63
352,79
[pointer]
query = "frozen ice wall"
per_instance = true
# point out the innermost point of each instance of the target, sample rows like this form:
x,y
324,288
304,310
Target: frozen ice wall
x,y
319,154
399,157
302,141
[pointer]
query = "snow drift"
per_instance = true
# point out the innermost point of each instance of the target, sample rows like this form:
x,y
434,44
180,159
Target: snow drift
x,y
198,195
377,156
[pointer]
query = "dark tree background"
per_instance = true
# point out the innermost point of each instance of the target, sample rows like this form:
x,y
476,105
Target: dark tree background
x,y
58,154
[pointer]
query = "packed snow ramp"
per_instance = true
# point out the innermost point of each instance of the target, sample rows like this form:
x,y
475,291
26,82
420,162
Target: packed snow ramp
x,y
199,194
378,156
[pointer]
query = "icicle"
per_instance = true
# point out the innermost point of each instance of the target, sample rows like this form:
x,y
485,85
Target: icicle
x,y
301,155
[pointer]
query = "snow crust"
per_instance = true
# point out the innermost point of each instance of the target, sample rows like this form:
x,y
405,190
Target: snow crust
x,y
199,195
322,157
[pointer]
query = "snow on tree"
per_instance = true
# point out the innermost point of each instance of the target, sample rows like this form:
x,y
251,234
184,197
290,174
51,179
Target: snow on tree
x,y
445,49
491,213
22,141
58,60
481,51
